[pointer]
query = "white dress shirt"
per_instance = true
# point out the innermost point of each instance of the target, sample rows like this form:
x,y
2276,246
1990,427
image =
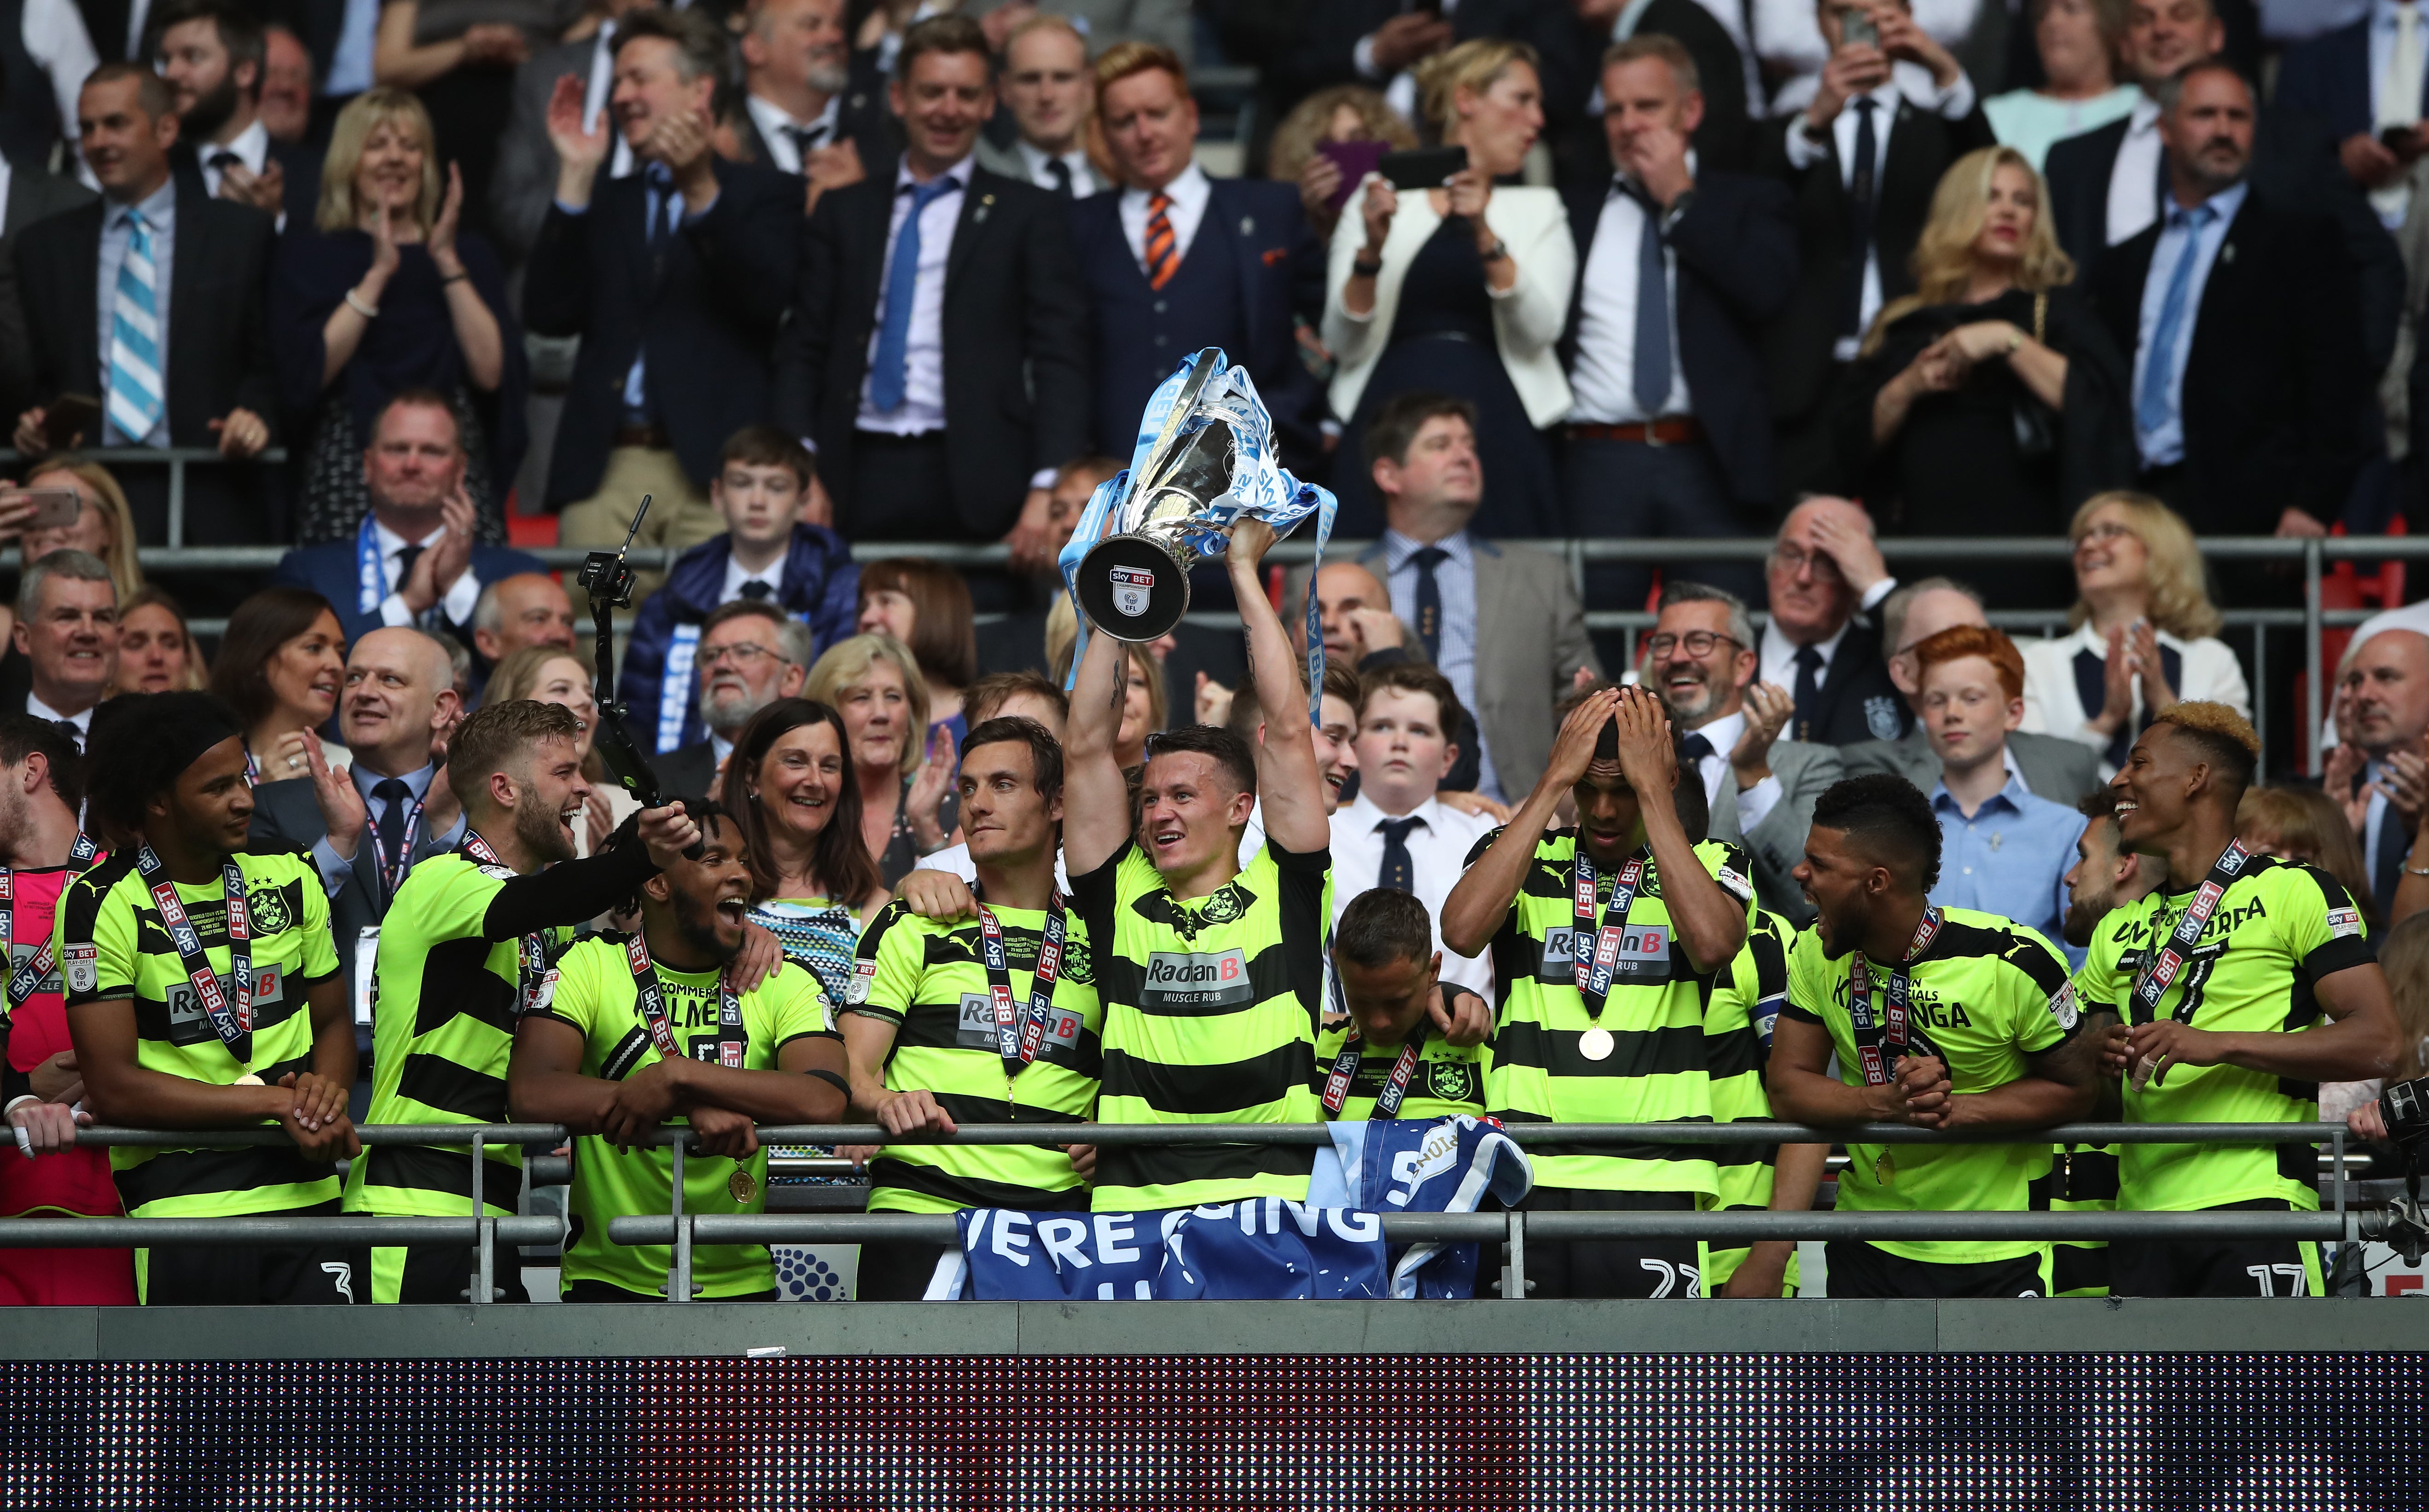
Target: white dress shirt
x,y
252,149
2395,86
54,36
1779,657
737,575
923,395
2165,444
1455,579
776,125
1438,847
1754,803
458,603
1603,378
349,70
2134,182
1084,174
83,722
335,870
1910,82
1189,193
1399,89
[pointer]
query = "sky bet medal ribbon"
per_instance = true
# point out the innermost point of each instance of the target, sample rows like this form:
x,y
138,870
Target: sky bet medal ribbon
x,y
1205,456
1880,1045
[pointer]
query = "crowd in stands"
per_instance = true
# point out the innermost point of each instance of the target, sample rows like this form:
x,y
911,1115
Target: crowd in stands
x,y
811,273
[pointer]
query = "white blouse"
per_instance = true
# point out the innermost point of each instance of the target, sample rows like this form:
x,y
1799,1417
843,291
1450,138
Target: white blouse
x,y
2054,702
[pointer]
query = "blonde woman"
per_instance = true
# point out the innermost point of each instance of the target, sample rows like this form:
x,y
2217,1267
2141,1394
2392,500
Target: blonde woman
x,y
1460,289
552,675
907,807
155,651
103,526
2145,632
1990,401
384,294
1344,113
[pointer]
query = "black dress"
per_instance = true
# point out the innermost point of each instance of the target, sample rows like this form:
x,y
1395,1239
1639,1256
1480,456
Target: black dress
x,y
412,345
1989,458
1443,341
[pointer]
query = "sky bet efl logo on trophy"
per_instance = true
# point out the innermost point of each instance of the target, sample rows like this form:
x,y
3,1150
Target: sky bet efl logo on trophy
x,y
1133,587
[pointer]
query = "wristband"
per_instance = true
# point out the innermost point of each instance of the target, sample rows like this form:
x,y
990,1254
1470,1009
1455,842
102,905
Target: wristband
x,y
1361,267
456,277
355,303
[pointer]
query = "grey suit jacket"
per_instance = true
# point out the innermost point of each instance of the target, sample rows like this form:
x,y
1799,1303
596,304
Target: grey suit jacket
x,y
286,813
1778,843
1007,160
2052,767
32,195
523,182
1530,638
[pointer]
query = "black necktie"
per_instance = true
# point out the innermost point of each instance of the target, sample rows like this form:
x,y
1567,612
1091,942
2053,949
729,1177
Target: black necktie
x,y
756,588
73,733
393,791
805,140
1650,357
1429,611
1808,689
1859,214
222,159
661,194
1060,171
406,555
1400,871
1696,747
2386,867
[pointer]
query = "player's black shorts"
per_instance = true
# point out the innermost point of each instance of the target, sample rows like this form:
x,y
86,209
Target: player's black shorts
x,y
219,1276
2217,1267
1611,1266
1860,1270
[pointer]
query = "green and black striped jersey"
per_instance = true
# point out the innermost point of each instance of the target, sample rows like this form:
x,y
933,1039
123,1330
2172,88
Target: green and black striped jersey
x,y
111,943
1657,1070
1447,1080
1987,994
1210,1013
1738,1020
2278,929
442,1028
928,979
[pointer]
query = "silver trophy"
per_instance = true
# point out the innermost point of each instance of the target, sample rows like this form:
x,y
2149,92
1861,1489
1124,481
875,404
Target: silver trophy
x,y
1134,584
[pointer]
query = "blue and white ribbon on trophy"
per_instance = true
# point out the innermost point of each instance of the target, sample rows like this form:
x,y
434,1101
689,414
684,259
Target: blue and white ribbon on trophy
x,y
1261,489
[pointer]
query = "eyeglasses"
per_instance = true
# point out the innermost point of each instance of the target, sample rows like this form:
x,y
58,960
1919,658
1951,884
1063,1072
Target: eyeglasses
x,y
1698,642
742,653
1795,559
2104,531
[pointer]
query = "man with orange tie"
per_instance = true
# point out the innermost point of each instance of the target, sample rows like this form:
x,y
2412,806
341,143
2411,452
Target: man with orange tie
x,y
1176,261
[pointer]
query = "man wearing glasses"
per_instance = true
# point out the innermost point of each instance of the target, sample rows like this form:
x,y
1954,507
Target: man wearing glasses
x,y
1824,570
751,655
1700,659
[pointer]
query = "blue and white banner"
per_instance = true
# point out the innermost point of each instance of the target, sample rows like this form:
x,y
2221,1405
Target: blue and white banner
x,y
1260,488
1262,1249
1447,1165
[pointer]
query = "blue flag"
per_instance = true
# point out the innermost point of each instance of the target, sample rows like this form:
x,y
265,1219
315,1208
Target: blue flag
x,y
1442,1165
1265,1249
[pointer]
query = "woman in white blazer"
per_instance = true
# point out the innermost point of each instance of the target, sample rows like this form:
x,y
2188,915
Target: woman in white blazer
x,y
1461,289
2145,632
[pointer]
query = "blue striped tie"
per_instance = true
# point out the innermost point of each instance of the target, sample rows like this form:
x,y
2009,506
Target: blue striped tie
x,y
135,386
2159,371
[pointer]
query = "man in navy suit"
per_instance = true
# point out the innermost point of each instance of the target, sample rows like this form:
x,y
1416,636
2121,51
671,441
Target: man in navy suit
x,y
414,561
1670,434
1177,261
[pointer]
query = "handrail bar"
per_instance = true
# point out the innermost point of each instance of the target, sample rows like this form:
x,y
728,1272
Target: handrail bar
x,y
1745,1133
283,1228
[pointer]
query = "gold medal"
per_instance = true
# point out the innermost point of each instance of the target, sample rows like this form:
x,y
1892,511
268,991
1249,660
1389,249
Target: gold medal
x,y
248,1079
1596,1043
742,1185
1885,1169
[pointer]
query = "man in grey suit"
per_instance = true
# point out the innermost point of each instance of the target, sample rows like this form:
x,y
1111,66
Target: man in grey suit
x,y
1700,658
2052,767
27,193
1502,623
368,825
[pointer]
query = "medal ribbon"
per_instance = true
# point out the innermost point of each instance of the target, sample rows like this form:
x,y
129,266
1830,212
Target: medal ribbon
x,y
25,979
2159,967
1018,1036
1881,1046
531,951
1395,1086
731,1040
1594,969
231,1021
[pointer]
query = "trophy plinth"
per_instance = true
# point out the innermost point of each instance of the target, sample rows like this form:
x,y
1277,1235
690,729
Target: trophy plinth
x,y
1134,585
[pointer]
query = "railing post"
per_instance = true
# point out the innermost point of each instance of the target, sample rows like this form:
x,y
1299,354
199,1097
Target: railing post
x,y
2260,703
1514,1276
2312,553
176,500
679,1273
479,1290
2338,1140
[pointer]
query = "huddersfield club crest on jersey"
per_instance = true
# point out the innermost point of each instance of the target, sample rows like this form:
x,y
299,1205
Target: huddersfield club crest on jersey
x,y
1881,717
1131,587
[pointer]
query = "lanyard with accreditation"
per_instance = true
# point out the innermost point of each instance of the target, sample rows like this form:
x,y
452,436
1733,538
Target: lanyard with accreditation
x,y
1882,1041
25,980
1018,1034
231,1018
2160,966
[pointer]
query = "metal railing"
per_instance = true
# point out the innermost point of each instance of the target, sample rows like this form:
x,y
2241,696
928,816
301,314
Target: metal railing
x,y
683,1231
177,459
2311,555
